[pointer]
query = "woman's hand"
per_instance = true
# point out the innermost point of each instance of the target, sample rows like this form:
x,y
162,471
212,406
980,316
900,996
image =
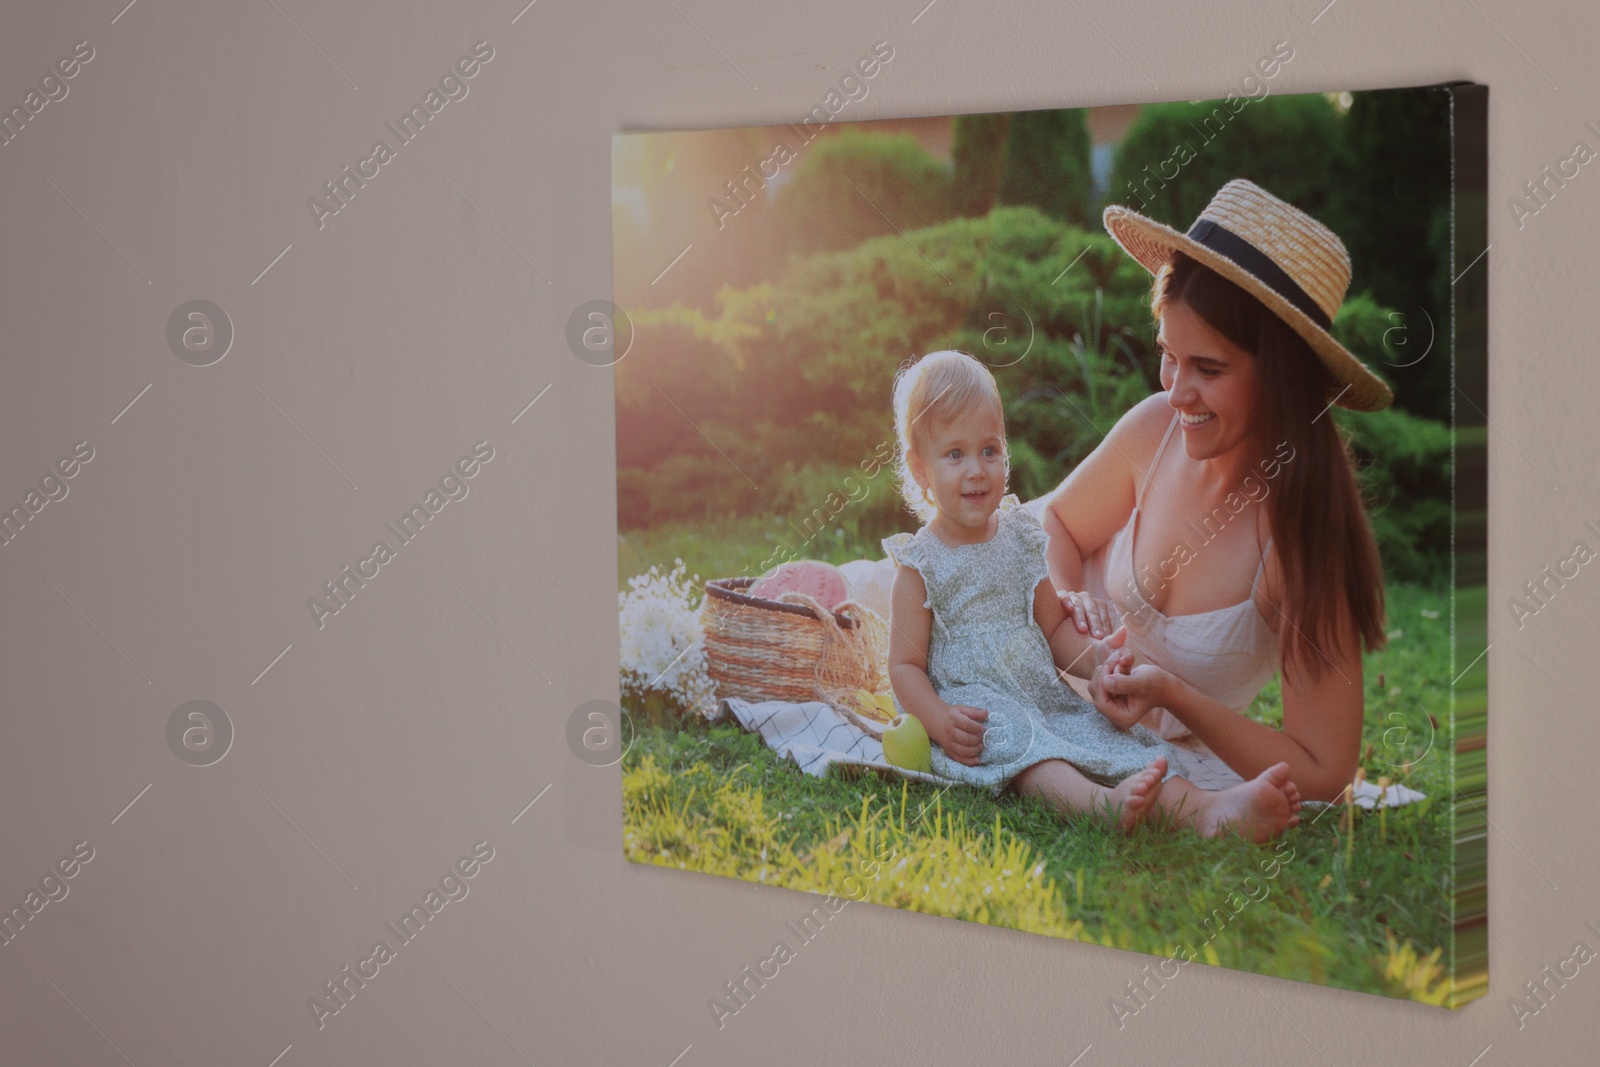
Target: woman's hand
x,y
1110,658
1111,652
960,733
1089,615
1124,694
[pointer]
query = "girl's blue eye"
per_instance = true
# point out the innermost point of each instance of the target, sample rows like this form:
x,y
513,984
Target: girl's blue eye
x,y
955,453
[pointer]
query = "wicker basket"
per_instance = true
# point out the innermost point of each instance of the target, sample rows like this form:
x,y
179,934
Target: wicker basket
x,y
792,648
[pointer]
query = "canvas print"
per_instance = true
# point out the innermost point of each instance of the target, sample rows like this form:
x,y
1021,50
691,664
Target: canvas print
x,y
1067,520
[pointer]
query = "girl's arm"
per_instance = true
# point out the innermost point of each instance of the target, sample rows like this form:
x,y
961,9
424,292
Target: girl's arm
x,y
957,730
1073,652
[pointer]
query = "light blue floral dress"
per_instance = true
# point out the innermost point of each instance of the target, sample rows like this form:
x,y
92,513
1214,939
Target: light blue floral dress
x,y
986,651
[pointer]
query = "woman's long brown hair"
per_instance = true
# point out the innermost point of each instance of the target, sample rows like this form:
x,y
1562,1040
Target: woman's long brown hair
x,y
1333,576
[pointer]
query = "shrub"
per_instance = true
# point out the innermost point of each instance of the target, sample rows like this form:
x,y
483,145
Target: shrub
x,y
858,185
1403,464
1175,157
789,382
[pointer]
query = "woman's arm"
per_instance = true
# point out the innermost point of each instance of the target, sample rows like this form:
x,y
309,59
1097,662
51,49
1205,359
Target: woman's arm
x,y
1321,735
1097,498
955,729
1320,740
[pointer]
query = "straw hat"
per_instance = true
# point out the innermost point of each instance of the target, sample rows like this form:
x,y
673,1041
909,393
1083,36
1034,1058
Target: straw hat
x,y
1277,253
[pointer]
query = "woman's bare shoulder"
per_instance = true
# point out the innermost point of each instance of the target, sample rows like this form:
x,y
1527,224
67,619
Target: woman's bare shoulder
x,y
1114,467
1138,433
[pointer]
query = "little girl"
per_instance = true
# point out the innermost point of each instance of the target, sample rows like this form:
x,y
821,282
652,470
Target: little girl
x,y
977,632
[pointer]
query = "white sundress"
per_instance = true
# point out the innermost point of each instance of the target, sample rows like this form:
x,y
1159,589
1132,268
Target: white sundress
x,y
1229,653
986,651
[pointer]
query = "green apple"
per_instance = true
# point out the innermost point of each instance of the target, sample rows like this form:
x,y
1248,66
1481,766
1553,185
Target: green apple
x,y
905,744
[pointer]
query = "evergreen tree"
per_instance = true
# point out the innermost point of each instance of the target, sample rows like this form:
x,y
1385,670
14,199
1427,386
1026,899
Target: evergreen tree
x,y
1392,210
1175,157
978,154
1047,164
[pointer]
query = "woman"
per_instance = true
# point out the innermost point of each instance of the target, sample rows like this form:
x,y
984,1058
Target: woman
x,y
1245,549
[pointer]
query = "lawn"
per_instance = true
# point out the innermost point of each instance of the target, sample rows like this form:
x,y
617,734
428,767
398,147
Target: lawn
x,y
1354,899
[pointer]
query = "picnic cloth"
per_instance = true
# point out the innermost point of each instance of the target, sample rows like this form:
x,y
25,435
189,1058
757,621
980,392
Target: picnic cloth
x,y
818,738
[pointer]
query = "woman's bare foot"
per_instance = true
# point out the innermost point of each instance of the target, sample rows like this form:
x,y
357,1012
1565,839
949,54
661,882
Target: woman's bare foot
x,y
1133,798
1259,809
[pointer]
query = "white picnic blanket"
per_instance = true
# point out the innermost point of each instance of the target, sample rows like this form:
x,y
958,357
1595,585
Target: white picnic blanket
x,y
817,737
1366,795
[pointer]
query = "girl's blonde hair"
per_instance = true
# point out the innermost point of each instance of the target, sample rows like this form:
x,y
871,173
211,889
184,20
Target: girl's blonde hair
x,y
927,393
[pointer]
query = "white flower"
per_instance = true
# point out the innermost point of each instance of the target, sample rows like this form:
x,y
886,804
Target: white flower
x,y
663,644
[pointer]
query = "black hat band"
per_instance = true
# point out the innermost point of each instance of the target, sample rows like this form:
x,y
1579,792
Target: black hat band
x,y
1225,242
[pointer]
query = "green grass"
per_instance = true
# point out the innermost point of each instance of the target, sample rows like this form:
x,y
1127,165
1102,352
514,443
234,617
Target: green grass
x,y
714,798
1355,900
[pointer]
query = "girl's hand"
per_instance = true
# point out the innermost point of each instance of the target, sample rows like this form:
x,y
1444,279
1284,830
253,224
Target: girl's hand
x,y
1087,613
1111,653
1125,697
960,733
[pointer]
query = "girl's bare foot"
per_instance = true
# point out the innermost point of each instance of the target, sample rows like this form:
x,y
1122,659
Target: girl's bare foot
x,y
1133,798
1259,809
1292,791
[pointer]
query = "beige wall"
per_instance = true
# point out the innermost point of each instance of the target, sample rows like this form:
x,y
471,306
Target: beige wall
x,y
431,710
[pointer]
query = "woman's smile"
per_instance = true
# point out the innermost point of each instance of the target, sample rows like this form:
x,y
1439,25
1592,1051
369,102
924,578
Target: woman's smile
x,y
1212,385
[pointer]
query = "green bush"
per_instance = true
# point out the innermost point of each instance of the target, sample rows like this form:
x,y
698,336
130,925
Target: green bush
x,y
1374,334
768,406
1403,464
1175,157
1403,460
831,334
1392,208
858,185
